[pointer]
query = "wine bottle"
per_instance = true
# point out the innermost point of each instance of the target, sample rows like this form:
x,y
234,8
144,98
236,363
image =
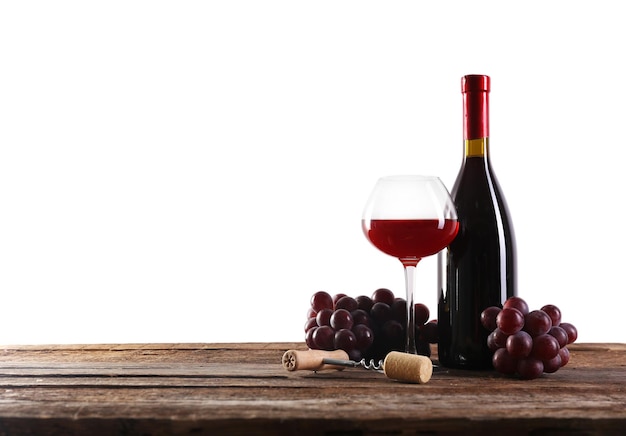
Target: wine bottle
x,y
478,269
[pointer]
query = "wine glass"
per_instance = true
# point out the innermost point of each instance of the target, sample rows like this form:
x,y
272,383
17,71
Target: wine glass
x,y
410,217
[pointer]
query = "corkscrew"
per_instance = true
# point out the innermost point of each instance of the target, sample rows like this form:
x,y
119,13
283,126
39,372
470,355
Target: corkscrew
x,y
405,367
372,365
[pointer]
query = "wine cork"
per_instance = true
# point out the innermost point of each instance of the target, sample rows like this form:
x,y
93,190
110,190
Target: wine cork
x,y
408,367
294,360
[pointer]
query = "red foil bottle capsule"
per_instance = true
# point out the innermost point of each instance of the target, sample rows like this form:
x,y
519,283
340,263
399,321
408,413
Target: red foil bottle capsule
x,y
475,89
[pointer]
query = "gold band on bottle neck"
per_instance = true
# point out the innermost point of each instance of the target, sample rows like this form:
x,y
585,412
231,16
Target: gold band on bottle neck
x,y
476,147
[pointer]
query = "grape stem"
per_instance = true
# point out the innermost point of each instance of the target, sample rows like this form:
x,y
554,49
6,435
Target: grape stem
x,y
409,276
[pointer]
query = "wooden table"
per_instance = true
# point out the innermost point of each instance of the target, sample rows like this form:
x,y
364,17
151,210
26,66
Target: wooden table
x,y
243,389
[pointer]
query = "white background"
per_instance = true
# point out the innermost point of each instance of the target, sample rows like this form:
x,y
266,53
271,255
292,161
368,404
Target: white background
x,y
194,171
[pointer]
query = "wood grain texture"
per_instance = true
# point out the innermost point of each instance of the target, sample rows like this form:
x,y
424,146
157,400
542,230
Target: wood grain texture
x,y
243,389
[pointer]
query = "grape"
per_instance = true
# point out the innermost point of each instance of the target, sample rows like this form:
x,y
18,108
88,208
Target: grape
x,y
553,312
360,316
519,344
341,319
321,300
310,323
572,333
383,295
488,317
323,317
381,312
398,310
308,338
393,330
430,333
347,303
311,313
364,302
324,338
564,353
517,303
510,320
497,339
503,362
537,323
421,314
336,298
364,336
345,340
560,334
553,364
530,368
545,347
355,355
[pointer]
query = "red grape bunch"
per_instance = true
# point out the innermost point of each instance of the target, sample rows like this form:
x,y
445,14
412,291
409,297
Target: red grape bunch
x,y
365,327
527,343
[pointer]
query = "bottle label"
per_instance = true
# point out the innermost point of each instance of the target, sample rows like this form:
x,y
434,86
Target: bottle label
x,y
475,147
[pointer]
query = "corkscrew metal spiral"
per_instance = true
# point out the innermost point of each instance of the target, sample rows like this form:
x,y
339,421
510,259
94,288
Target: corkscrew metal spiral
x,y
371,364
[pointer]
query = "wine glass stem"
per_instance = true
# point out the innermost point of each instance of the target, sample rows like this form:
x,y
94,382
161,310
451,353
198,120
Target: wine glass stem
x,y
409,276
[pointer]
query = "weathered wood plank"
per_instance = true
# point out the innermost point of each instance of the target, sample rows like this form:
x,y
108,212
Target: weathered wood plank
x,y
242,388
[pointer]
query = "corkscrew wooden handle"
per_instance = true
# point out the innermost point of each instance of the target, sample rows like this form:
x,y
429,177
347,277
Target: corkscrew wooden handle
x,y
294,360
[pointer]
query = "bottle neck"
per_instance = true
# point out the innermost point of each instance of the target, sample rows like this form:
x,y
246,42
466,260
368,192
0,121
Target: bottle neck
x,y
475,91
476,122
478,147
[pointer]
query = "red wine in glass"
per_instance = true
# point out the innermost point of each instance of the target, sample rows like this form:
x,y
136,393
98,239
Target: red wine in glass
x,y
410,217
411,238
